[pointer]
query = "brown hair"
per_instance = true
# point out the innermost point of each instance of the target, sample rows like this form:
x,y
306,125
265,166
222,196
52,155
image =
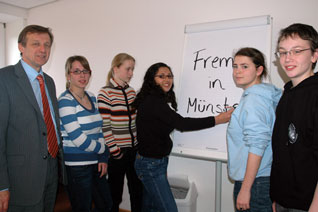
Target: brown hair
x,y
305,32
33,29
256,56
70,61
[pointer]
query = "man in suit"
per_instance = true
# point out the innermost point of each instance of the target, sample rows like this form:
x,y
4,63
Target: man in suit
x,y
28,163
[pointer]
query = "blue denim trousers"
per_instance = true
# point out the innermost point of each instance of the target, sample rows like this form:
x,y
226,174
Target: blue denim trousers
x,y
85,186
157,195
260,200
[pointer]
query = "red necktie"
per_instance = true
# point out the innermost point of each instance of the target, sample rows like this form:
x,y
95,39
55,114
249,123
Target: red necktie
x,y
51,134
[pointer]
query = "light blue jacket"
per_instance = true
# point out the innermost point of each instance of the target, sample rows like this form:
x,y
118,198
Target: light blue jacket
x,y
250,130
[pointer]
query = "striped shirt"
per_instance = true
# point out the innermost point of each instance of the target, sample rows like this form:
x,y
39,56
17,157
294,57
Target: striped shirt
x,y
119,121
81,129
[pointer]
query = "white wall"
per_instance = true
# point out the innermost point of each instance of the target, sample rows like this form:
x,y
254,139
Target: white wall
x,y
2,45
13,29
152,31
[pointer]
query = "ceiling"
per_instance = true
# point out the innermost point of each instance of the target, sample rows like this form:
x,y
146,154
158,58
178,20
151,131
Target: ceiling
x,y
26,4
11,10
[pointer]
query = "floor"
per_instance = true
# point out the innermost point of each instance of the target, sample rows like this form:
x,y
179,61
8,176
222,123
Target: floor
x,y
63,204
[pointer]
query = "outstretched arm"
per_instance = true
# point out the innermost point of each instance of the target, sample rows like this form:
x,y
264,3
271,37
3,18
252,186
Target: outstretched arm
x,y
224,117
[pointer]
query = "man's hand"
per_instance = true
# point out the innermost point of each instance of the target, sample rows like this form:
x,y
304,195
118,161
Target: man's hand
x,y
4,200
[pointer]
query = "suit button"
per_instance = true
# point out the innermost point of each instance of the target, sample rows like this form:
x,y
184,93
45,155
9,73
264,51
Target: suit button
x,y
44,134
45,157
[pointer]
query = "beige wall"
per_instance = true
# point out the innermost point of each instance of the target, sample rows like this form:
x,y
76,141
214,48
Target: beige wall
x,y
2,44
12,33
152,31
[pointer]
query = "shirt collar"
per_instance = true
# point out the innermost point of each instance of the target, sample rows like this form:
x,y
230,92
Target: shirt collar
x,y
115,84
31,72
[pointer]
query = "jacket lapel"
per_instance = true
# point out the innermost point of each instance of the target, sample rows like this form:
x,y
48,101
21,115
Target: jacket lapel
x,y
24,83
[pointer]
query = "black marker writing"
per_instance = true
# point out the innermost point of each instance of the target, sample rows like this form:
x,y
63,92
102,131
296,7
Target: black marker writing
x,y
200,105
214,62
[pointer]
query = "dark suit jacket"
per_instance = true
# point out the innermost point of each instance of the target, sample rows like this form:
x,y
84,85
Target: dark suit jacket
x,y
23,144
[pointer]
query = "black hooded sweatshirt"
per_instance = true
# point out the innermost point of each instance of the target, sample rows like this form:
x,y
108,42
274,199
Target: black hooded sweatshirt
x,y
294,173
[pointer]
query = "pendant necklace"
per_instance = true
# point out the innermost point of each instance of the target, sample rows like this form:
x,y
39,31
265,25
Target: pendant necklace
x,y
81,97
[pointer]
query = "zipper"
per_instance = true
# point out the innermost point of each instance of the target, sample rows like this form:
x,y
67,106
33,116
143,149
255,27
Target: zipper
x,y
130,119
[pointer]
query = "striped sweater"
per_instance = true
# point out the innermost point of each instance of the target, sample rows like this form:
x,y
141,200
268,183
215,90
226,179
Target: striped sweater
x,y
119,121
81,129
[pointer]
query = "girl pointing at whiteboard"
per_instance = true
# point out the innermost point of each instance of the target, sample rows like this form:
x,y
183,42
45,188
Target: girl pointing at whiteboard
x,y
156,119
249,133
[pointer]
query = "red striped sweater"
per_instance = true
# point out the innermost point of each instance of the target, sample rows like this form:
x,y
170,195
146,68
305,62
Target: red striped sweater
x,y
119,121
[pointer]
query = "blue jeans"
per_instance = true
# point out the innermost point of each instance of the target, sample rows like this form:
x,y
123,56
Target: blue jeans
x,y
260,200
157,195
85,186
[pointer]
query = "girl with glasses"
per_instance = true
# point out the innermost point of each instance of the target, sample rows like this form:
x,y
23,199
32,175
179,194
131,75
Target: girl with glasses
x,y
85,152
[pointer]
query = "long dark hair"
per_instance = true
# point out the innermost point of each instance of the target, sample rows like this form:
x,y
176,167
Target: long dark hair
x,y
150,87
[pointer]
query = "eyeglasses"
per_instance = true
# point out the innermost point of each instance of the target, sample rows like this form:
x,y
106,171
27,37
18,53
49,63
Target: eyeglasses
x,y
162,76
292,52
78,72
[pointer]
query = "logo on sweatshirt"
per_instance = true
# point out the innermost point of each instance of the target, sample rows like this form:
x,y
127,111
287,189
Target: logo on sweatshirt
x,y
292,134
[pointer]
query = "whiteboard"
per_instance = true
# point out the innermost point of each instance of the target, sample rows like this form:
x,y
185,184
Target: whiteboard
x,y
206,83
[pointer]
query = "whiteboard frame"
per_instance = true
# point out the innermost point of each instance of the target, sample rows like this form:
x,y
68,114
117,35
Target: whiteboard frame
x,y
212,26
228,24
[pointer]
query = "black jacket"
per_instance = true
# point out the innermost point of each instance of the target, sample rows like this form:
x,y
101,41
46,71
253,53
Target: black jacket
x,y
156,120
294,172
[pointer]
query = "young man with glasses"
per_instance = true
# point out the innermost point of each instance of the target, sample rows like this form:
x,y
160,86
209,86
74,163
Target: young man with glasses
x,y
294,172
